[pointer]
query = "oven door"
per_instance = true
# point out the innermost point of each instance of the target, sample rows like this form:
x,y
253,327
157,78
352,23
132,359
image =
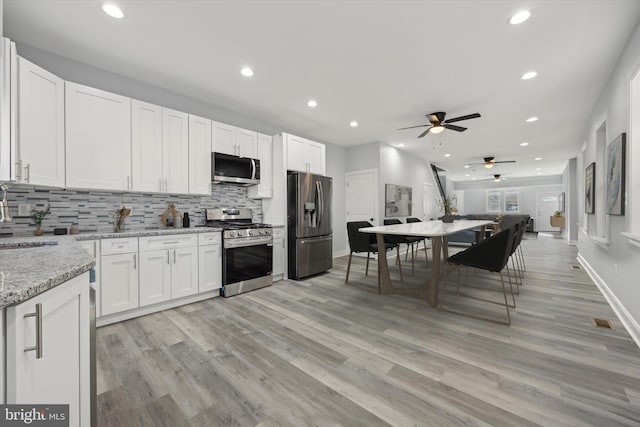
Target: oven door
x,y
247,259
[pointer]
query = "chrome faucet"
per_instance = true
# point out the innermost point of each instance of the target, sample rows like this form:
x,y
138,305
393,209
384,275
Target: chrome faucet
x,y
4,206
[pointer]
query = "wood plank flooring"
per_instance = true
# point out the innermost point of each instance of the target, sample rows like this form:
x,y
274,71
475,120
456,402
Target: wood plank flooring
x,y
320,353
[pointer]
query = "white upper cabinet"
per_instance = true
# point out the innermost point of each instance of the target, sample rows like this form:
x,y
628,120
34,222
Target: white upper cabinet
x,y
305,155
199,155
8,101
175,142
98,139
146,146
40,126
264,190
235,141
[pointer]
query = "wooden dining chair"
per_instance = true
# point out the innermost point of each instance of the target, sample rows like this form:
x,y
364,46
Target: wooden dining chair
x,y
366,242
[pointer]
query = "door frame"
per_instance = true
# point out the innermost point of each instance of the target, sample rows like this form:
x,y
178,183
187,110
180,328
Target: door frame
x,y
347,175
537,222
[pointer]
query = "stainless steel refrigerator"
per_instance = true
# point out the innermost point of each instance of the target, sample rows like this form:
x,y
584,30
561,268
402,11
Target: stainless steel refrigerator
x,y
308,224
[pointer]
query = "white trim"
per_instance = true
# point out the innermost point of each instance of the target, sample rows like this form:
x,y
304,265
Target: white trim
x,y
573,242
633,239
629,323
337,254
600,241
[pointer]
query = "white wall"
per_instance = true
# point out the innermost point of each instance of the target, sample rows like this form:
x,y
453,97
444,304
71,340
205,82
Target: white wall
x,y
570,188
336,165
616,264
363,157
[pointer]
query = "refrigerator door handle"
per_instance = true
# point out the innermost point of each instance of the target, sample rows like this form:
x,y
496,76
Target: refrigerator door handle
x,y
321,203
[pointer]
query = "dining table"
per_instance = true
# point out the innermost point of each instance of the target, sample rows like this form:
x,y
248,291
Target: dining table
x,y
438,231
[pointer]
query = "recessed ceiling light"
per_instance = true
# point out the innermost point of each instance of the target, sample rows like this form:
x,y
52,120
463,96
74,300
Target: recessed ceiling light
x,y
112,10
524,144
474,178
520,17
538,169
538,158
247,72
447,155
467,166
312,103
353,124
539,173
400,145
532,119
467,175
529,75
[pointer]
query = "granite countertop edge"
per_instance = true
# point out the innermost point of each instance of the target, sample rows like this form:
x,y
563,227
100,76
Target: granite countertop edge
x,y
30,266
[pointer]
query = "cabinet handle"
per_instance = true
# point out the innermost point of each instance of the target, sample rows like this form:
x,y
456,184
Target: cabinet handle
x,y
168,261
166,185
95,248
38,316
27,173
128,182
135,263
174,256
18,170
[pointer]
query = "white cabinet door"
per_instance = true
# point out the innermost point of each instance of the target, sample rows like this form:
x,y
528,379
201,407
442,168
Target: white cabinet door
x,y
155,277
146,146
264,190
40,125
119,280
315,156
93,247
175,142
184,272
209,268
224,138
246,143
199,155
278,255
61,375
296,153
98,138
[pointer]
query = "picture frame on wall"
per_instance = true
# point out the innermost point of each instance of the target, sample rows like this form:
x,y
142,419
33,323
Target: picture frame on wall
x,y
616,158
398,200
590,189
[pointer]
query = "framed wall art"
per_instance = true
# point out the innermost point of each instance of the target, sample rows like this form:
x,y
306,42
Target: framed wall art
x,y
616,157
398,200
590,189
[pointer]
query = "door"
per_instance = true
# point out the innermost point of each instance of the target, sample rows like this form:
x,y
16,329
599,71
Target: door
x,y
146,146
296,159
246,260
184,272
209,268
223,138
61,375
199,155
304,204
362,196
40,125
546,205
278,252
93,247
98,138
246,143
119,283
175,144
429,206
315,157
155,277
325,197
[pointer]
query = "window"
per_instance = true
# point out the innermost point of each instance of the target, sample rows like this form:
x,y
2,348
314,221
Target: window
x,y
511,201
494,201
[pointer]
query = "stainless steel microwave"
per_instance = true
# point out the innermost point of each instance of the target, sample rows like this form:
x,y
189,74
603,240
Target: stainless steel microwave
x,y
234,169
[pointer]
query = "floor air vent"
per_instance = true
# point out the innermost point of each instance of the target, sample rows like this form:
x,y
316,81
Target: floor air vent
x,y
577,267
602,323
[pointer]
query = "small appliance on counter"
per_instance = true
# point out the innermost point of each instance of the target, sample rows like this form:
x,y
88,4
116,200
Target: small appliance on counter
x,y
309,224
247,250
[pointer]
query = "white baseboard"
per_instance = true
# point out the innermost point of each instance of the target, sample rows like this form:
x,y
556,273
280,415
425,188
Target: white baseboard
x,y
573,242
629,323
341,253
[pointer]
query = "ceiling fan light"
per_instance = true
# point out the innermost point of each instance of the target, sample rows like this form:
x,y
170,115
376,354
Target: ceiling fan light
x,y
488,165
435,129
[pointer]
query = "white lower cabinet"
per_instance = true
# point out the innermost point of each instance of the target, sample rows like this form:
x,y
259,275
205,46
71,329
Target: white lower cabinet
x,y
93,247
119,275
184,272
155,277
56,371
209,262
279,254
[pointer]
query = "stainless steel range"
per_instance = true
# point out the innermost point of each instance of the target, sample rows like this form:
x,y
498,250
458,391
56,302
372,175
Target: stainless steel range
x,y
247,250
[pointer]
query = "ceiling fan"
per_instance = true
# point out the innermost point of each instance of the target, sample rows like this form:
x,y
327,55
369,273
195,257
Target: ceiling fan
x,y
490,162
438,123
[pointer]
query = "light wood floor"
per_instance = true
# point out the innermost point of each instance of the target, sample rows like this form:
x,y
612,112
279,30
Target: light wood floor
x,y
319,353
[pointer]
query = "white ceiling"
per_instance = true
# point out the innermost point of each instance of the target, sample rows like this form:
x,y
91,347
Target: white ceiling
x,y
383,63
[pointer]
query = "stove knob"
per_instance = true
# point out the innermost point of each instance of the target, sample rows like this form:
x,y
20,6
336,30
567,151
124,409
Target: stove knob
x,y
250,232
232,234
263,231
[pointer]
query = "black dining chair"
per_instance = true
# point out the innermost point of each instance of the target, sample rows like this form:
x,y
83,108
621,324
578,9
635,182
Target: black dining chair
x,y
366,242
403,240
424,240
491,254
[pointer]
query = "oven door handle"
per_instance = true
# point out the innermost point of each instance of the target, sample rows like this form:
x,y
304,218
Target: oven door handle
x,y
248,242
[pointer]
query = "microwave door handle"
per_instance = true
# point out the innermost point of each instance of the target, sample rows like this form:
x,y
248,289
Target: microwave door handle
x,y
253,169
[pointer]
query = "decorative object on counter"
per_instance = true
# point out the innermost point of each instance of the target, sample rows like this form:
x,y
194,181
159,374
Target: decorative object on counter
x,y
448,205
122,213
4,205
60,231
170,216
74,229
186,222
37,216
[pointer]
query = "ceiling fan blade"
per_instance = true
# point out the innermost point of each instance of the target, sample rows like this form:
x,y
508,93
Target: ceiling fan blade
x,y
456,128
412,127
506,161
467,117
424,133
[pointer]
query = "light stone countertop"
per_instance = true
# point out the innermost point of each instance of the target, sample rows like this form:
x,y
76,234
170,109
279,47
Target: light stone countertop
x,y
32,265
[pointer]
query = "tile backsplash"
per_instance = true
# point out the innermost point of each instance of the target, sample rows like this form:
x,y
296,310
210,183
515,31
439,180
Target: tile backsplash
x,y
95,211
